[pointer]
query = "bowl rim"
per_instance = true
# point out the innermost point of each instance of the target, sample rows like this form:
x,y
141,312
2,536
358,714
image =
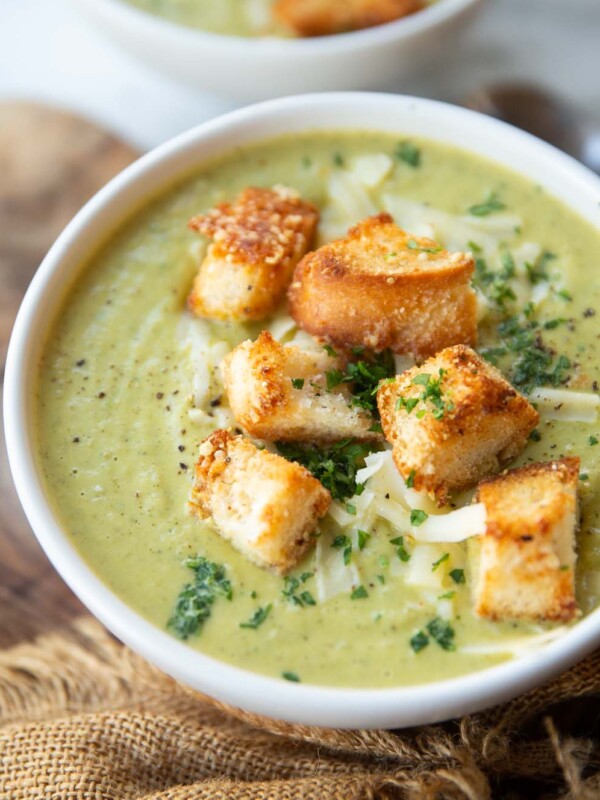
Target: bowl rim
x,y
273,697
271,46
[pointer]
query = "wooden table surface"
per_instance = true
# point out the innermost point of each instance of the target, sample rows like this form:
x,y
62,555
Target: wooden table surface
x,y
51,162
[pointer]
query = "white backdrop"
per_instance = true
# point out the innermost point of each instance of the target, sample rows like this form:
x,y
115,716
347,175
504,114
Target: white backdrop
x,y
48,53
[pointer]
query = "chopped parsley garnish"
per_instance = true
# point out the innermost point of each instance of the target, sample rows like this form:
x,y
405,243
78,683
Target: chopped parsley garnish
x,y
384,560
298,383
410,480
365,375
257,619
363,538
432,394
535,435
448,595
418,517
343,543
489,205
409,153
338,160
494,284
457,575
419,641
376,428
593,440
194,603
291,585
538,272
401,550
335,466
329,350
565,295
412,244
290,676
532,363
440,561
351,509
360,593
442,633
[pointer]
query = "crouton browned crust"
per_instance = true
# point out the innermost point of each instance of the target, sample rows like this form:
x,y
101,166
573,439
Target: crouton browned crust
x,y
381,287
453,421
324,17
267,507
526,566
256,243
280,393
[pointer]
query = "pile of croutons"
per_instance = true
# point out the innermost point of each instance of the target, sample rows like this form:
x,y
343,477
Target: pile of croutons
x,y
453,421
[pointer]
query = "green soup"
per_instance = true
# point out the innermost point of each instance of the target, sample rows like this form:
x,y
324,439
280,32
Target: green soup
x,y
229,17
125,394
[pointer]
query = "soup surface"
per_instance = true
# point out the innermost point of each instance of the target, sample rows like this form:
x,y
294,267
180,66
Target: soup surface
x,y
129,385
229,17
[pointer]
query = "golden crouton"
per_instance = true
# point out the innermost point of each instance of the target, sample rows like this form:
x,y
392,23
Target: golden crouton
x,y
526,565
324,17
267,507
381,287
256,243
453,421
278,392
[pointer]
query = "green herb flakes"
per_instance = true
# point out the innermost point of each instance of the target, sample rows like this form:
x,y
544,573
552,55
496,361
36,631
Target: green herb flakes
x,y
409,153
419,641
298,383
489,205
290,591
257,618
401,550
363,538
343,543
291,676
412,244
592,440
195,601
457,575
410,480
360,593
441,560
442,632
418,517
335,466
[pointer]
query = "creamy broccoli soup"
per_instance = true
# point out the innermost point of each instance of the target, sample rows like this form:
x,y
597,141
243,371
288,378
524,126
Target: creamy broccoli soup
x,y
230,17
129,385
239,17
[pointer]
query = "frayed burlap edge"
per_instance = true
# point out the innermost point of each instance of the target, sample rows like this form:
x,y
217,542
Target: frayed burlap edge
x,y
83,717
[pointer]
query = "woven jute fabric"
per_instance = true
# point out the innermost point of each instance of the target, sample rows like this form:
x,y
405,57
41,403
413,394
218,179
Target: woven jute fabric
x,y
84,718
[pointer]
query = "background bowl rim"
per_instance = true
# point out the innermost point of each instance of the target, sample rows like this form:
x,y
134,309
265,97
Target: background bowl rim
x,y
301,703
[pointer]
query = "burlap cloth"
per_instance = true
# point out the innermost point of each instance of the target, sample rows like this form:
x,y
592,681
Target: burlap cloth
x,y
83,717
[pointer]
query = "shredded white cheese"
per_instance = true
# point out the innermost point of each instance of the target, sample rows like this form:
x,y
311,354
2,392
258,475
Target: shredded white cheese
x,y
566,405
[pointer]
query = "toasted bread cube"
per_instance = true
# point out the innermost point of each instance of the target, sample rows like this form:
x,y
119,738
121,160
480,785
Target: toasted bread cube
x,y
381,287
324,17
526,566
278,392
267,507
256,243
453,421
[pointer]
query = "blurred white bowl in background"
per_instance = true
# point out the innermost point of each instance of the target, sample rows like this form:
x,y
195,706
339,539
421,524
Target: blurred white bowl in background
x,y
382,57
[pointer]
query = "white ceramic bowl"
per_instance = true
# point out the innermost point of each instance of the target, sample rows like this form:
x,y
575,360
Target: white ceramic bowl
x,y
405,116
384,57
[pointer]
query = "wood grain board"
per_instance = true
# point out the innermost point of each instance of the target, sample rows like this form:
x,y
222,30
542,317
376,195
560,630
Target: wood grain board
x,y
51,162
